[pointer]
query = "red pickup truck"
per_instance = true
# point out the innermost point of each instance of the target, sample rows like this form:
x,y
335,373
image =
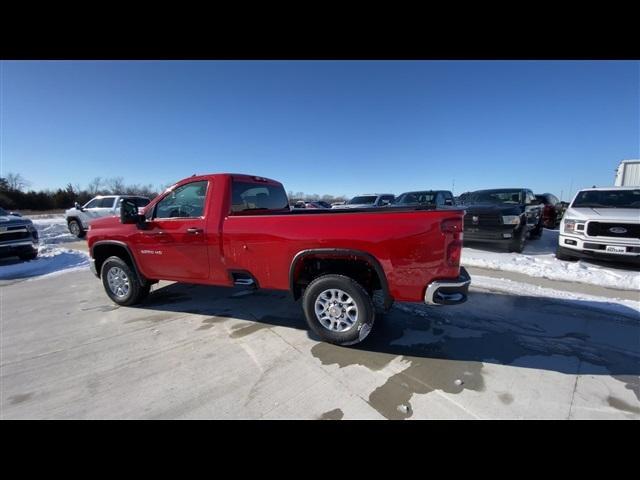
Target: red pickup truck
x,y
228,229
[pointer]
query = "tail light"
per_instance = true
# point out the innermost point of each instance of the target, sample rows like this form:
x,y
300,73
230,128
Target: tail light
x,y
454,250
453,227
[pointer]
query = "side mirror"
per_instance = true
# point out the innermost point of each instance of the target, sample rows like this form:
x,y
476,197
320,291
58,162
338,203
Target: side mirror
x,y
78,206
129,213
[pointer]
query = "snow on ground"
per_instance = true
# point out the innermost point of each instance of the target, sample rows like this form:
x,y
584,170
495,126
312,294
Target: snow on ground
x,y
518,288
538,260
53,258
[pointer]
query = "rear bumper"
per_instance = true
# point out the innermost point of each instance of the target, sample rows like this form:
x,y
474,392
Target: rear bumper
x,y
448,292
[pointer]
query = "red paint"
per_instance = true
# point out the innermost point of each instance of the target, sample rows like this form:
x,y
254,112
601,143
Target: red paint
x,y
414,248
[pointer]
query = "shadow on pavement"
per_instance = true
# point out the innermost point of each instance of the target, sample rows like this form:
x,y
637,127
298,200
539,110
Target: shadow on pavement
x,y
566,336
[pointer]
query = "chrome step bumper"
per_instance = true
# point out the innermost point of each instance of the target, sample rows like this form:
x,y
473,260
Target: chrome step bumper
x,y
448,292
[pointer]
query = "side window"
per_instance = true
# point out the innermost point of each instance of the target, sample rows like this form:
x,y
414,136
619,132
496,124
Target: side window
x,y
106,202
530,197
93,203
385,200
247,197
448,198
186,201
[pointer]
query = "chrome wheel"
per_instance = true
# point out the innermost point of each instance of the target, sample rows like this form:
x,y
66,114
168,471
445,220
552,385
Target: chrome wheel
x,y
118,282
336,310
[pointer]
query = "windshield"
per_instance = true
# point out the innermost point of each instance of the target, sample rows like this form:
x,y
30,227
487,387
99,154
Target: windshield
x,y
415,197
495,197
365,199
607,199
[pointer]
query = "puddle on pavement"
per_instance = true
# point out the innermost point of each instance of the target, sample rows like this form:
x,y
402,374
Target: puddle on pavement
x,y
620,404
158,317
506,398
243,331
335,414
23,397
423,375
102,308
210,322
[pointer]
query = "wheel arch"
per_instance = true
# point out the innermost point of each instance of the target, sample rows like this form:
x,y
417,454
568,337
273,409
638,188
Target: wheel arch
x,y
338,256
104,249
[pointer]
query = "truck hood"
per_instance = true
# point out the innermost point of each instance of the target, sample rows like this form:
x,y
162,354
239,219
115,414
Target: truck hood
x,y
604,214
11,221
489,209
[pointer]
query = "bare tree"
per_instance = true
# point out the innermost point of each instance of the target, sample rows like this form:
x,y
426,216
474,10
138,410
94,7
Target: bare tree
x,y
94,186
17,181
115,185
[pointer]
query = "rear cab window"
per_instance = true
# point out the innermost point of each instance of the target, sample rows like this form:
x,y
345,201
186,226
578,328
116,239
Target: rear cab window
x,y
249,198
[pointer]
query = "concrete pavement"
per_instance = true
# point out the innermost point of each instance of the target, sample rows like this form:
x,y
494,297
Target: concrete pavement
x,y
205,352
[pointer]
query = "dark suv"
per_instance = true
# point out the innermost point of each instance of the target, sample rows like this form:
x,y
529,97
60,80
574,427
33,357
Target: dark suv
x,y
505,216
438,198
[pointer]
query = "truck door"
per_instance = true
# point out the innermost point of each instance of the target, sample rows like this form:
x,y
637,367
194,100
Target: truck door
x,y
174,244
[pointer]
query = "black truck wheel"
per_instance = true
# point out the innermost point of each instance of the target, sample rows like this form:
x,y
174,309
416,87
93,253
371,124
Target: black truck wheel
x,y
121,282
517,244
76,229
29,256
338,309
536,233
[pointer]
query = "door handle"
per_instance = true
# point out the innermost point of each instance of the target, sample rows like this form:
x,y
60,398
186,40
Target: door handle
x,y
195,231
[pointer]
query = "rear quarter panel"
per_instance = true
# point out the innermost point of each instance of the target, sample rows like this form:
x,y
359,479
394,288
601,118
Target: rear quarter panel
x,y
409,245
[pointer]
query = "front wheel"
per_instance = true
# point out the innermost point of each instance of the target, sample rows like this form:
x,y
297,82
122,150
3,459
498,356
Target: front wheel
x,y
517,244
338,309
76,229
29,256
536,233
121,282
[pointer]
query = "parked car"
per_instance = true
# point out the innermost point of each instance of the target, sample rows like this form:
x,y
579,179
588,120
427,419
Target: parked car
x,y
341,202
18,236
440,198
318,204
505,216
368,200
230,230
602,223
551,209
79,217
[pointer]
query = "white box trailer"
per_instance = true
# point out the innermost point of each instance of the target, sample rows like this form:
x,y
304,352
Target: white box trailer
x,y
628,174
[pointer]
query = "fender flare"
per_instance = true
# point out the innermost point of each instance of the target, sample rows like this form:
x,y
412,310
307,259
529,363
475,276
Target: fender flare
x,y
342,252
142,280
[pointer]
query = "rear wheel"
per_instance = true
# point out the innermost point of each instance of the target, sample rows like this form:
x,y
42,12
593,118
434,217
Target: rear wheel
x,y
76,229
121,282
338,309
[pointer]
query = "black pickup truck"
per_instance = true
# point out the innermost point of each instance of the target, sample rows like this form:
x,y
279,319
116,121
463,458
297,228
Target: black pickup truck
x,y
505,216
18,236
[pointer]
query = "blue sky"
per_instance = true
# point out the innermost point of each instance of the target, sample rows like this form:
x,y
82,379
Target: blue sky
x,y
342,127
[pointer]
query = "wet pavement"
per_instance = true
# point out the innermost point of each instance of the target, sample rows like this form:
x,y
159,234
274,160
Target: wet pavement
x,y
205,352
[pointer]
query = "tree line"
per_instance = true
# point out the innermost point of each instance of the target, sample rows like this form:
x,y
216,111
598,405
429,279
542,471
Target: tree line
x,y
16,195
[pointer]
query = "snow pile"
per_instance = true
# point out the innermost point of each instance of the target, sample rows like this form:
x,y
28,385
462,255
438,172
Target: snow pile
x,y
52,258
538,260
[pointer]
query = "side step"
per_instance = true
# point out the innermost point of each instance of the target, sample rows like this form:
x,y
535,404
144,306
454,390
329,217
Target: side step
x,y
243,278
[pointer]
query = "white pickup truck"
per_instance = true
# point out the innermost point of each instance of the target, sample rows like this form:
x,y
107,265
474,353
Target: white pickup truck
x,y
602,223
79,217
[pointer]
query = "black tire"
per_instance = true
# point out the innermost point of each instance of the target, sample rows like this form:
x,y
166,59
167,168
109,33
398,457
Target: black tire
x,y
363,302
134,292
517,244
536,233
76,229
560,255
29,256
